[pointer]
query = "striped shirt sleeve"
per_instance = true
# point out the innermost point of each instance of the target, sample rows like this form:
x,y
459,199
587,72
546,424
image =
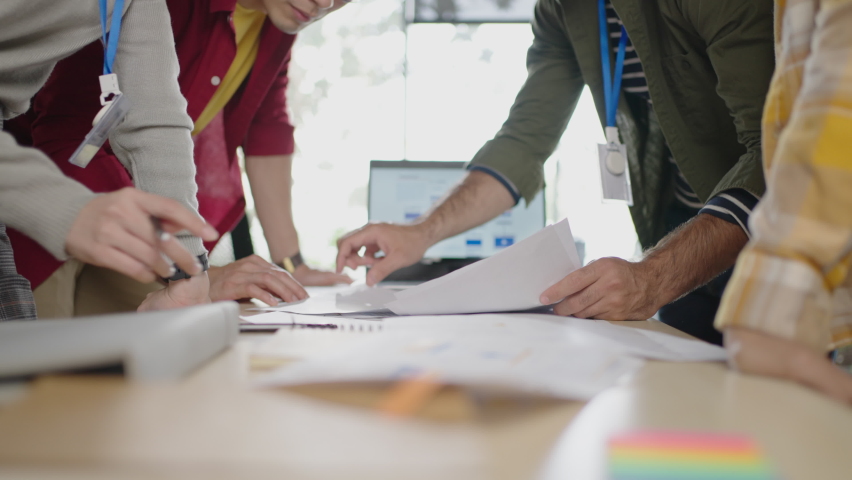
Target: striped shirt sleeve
x,y
733,206
16,298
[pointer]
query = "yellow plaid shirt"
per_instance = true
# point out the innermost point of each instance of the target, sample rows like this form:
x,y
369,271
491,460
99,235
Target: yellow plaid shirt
x,y
792,278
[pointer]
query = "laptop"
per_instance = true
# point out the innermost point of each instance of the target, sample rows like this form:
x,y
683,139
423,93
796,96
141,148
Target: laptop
x,y
401,191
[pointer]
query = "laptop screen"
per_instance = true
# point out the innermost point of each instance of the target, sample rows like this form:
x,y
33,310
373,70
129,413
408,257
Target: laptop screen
x,y
402,191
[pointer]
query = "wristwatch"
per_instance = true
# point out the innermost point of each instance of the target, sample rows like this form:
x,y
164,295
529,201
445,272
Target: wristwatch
x,y
291,263
180,274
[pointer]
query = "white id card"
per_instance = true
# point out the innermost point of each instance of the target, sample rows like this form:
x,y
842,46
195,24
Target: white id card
x,y
615,171
110,115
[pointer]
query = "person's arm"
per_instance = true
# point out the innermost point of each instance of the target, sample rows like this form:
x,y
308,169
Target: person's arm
x,y
478,198
268,147
739,45
506,169
153,141
737,34
541,111
111,230
796,266
271,180
759,353
615,289
270,177
36,198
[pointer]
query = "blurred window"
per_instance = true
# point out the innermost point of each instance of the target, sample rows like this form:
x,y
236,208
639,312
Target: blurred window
x,y
366,87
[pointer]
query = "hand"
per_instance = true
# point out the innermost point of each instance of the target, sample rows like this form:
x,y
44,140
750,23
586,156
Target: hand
x,y
178,294
759,353
608,289
254,277
309,277
115,231
403,245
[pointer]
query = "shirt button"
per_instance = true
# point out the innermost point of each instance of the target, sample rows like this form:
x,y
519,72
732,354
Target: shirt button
x,y
215,80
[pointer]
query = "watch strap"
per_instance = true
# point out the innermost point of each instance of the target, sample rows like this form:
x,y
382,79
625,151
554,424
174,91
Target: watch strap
x,y
181,274
292,262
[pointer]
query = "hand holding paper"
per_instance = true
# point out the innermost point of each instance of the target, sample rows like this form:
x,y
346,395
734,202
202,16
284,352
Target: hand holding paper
x,y
609,288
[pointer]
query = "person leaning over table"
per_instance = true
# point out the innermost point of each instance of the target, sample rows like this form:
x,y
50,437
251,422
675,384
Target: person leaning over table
x,y
67,219
233,59
790,297
694,153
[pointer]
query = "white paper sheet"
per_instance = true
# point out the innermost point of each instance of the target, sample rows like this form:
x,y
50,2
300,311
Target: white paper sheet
x,y
537,354
640,342
511,280
354,298
288,345
505,363
623,340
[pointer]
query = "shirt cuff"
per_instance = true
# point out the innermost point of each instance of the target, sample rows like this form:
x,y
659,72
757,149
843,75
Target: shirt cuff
x,y
779,296
516,195
733,206
192,244
269,139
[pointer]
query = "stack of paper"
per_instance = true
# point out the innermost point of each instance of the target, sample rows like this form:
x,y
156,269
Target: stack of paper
x,y
537,354
511,280
560,370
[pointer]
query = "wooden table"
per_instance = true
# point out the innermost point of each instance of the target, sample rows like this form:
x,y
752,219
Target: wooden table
x,y
213,426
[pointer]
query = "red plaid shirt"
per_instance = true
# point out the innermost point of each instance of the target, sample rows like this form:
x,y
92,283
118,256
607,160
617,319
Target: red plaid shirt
x,y
255,118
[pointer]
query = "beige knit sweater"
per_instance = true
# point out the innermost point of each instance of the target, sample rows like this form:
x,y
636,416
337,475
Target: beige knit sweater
x,y
153,142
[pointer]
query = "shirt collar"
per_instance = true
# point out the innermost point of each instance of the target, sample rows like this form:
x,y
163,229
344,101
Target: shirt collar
x,y
223,6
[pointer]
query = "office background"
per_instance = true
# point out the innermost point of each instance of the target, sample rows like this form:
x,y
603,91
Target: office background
x,y
366,85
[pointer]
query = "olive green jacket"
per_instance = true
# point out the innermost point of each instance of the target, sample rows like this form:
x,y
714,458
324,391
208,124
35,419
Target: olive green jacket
x,y
708,64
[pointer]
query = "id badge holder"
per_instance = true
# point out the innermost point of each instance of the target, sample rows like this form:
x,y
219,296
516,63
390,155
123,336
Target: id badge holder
x,y
110,115
615,171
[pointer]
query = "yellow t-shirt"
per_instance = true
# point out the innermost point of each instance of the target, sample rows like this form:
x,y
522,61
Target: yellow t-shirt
x,y
247,25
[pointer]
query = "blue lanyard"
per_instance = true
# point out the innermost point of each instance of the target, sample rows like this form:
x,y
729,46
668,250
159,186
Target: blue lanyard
x,y
612,83
111,39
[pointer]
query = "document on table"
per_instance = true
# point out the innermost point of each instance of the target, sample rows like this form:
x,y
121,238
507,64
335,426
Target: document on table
x,y
284,319
355,298
662,346
647,343
511,280
536,354
496,363
602,334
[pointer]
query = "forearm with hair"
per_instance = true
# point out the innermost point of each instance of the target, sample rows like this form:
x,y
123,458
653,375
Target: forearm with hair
x,y
693,254
478,198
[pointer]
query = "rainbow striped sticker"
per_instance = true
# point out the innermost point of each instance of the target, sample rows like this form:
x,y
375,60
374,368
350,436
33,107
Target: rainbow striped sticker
x,y
670,455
